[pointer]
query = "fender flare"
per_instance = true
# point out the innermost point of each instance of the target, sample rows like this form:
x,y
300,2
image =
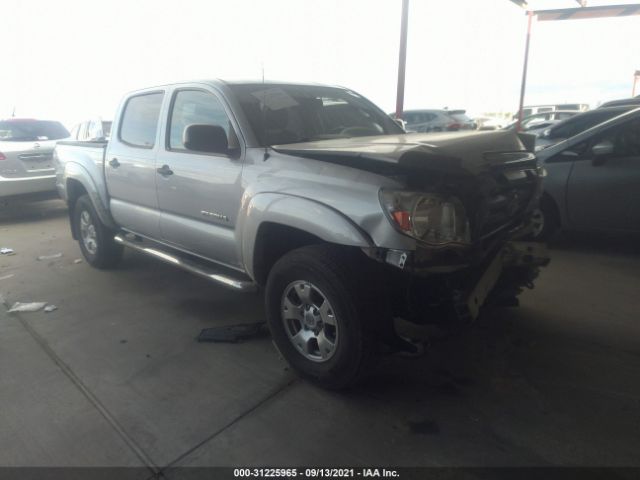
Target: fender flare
x,y
297,212
75,171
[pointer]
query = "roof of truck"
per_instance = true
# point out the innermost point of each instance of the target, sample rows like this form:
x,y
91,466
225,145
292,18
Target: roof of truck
x,y
219,81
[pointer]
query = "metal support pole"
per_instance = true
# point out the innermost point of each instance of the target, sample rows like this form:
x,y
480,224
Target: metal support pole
x,y
635,81
403,59
524,70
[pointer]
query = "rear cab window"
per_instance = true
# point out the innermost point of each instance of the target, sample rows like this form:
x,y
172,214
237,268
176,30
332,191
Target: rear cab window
x,y
140,118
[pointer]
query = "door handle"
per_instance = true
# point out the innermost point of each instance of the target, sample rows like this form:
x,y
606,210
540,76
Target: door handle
x,y
165,171
114,163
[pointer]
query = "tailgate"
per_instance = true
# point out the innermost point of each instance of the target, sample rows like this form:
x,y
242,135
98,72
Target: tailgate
x,y
26,159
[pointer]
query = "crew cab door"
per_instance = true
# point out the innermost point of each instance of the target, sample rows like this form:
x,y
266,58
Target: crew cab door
x,y
603,191
130,168
199,191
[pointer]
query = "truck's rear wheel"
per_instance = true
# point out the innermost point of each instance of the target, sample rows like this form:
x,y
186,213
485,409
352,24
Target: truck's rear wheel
x,y
319,314
96,240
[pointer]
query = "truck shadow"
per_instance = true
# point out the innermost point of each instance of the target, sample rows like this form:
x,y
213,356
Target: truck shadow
x,y
25,210
597,243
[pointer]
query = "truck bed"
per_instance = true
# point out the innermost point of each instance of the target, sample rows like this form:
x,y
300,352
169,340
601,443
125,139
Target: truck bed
x,y
85,157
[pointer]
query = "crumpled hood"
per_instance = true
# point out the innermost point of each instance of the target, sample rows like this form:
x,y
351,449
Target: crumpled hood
x,y
453,152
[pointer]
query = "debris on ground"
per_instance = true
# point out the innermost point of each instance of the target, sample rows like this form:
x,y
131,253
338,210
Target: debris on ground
x,y
27,307
50,257
77,260
6,277
50,308
7,251
233,333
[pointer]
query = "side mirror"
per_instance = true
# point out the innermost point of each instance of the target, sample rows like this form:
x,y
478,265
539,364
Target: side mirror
x,y
601,151
603,148
401,123
205,138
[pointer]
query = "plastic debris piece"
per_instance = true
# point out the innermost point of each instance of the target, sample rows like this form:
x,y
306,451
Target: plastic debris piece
x,y
7,251
49,257
27,307
6,276
232,333
50,308
77,260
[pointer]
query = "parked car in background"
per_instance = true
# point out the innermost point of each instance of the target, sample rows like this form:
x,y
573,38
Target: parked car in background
x,y
463,119
593,180
577,124
539,121
622,102
317,196
423,121
533,109
26,149
93,130
490,123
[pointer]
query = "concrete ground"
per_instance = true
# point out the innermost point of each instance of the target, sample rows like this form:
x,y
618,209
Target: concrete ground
x,y
114,377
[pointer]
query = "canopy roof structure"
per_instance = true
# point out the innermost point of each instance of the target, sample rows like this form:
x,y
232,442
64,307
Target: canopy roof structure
x,y
581,11
577,13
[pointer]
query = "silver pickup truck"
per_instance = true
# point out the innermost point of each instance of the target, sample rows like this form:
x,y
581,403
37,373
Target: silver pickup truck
x,y
315,196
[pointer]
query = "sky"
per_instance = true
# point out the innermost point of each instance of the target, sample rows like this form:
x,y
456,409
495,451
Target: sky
x,y
69,60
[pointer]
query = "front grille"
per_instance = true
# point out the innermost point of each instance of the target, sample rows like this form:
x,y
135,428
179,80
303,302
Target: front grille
x,y
505,195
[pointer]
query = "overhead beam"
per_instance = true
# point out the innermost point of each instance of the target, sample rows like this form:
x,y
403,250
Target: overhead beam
x,y
582,13
402,61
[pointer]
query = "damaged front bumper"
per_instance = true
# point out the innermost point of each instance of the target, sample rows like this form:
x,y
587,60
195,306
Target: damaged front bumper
x,y
512,255
424,294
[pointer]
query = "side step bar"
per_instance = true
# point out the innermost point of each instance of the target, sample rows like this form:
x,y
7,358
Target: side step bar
x,y
210,273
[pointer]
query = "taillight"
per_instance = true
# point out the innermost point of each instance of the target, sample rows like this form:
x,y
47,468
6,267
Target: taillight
x,y
454,126
2,157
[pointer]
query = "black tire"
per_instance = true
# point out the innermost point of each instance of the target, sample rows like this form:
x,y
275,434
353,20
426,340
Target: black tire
x,y
340,274
106,253
547,220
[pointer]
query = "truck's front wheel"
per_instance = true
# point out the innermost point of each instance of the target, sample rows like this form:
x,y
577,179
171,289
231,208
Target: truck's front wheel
x,y
95,239
320,315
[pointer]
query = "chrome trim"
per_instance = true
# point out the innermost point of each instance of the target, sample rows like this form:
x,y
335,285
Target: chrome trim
x,y
172,259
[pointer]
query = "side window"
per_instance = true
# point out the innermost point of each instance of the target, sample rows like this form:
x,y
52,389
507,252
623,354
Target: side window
x,y
139,122
196,107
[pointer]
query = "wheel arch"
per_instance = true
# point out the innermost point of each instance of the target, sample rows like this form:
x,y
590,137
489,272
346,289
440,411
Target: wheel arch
x,y
273,224
79,182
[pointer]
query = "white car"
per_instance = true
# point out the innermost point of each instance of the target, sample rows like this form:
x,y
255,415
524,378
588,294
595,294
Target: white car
x,y
26,155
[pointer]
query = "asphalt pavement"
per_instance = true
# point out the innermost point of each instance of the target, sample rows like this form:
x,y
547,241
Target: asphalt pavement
x,y
115,376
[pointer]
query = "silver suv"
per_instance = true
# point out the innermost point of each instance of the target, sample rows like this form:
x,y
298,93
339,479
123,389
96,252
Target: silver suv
x,y
26,149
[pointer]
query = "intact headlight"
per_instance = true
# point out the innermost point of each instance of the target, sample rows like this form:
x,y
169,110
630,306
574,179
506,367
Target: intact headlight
x,y
428,217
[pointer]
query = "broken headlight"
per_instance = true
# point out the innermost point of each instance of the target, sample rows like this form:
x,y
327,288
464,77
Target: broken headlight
x,y
428,217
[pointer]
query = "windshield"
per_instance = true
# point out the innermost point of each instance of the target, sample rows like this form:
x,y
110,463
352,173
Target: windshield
x,y
581,122
282,114
31,130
